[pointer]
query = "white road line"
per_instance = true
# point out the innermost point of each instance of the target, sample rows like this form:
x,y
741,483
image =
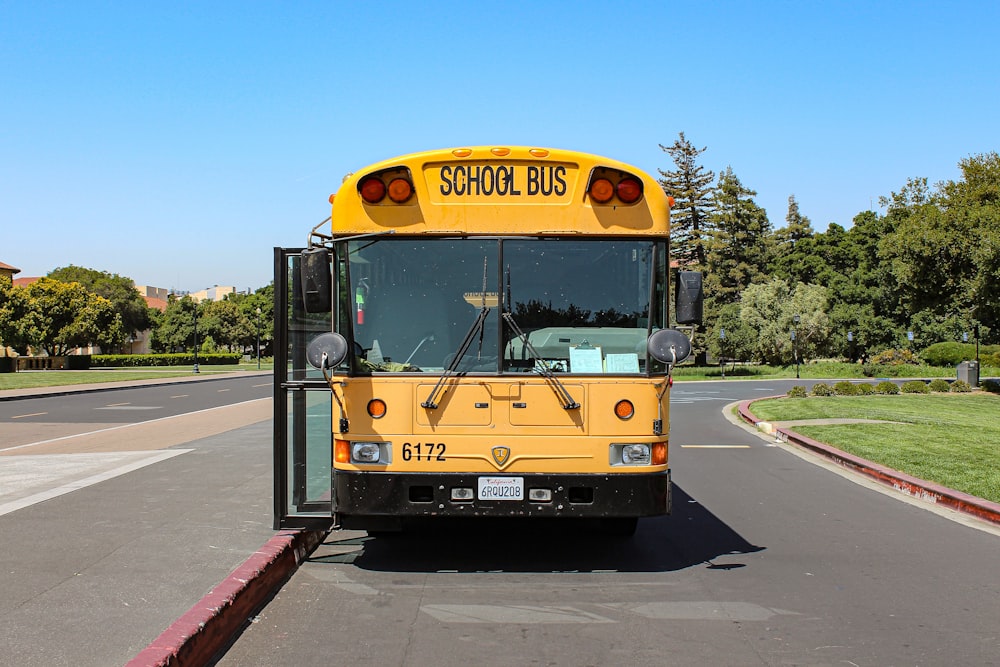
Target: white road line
x,y
48,494
715,446
33,414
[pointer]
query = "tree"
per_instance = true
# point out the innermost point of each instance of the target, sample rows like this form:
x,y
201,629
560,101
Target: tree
x,y
770,309
943,249
175,331
56,317
796,255
226,324
739,249
120,290
691,187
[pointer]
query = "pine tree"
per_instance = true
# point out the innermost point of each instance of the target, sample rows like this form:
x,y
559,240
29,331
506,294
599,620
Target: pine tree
x,y
796,256
739,250
691,187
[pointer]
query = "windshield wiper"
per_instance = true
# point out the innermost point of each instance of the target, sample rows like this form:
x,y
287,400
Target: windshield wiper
x,y
478,327
542,366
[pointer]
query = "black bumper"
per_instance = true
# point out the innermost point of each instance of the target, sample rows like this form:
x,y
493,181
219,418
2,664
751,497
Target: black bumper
x,y
384,494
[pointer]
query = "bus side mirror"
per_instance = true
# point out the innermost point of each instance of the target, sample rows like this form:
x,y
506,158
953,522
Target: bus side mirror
x,y
314,277
688,298
669,346
326,351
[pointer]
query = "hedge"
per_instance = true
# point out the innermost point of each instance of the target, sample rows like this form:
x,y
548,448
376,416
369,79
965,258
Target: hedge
x,y
179,359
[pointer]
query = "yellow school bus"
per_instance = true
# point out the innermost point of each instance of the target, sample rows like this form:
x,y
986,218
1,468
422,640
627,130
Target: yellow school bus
x,y
485,332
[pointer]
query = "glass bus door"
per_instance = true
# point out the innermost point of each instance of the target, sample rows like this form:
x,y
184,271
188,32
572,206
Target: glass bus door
x,y
302,407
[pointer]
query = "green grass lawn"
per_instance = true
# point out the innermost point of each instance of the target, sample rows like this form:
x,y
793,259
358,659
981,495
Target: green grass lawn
x,y
33,379
951,439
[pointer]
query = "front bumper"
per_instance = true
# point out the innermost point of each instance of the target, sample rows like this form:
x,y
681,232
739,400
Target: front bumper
x,y
357,495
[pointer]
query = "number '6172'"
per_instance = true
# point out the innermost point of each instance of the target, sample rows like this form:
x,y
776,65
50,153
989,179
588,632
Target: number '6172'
x,y
427,451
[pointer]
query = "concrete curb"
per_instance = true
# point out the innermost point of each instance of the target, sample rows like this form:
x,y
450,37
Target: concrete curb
x,y
911,486
198,636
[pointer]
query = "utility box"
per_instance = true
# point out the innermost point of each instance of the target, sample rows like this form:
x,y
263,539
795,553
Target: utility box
x,y
968,371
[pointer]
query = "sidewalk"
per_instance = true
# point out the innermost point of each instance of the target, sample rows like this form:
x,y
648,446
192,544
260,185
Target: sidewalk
x,y
93,576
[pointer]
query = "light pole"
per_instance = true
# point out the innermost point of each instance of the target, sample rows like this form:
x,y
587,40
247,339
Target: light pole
x,y
196,337
795,345
850,346
722,351
258,337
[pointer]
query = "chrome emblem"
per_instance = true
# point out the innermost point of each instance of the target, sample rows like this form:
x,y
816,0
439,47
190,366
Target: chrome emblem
x,y
501,455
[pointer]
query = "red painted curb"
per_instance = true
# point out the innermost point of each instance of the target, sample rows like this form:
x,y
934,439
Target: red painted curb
x,y
197,636
911,486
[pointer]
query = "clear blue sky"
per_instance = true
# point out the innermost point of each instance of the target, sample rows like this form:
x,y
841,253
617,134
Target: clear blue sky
x,y
176,143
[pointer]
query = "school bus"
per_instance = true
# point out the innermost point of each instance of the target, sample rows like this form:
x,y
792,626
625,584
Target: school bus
x,y
480,332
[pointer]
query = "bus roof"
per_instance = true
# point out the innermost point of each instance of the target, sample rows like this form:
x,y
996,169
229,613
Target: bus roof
x,y
496,190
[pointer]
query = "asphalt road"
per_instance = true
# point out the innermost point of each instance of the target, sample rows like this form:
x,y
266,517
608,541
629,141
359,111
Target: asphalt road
x,y
770,558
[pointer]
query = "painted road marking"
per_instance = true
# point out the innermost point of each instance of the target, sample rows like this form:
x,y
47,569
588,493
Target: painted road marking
x,y
715,446
268,384
180,396
502,613
115,405
23,474
222,390
33,414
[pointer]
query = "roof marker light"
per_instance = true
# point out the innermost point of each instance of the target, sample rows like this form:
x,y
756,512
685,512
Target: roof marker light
x,y
500,152
629,190
400,190
601,190
462,152
372,189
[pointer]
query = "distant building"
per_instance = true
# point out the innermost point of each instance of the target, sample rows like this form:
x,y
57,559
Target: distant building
x,y
215,293
8,270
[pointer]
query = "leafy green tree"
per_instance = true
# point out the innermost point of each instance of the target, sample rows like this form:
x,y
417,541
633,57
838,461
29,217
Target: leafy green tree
x,y
769,309
739,249
120,290
226,324
690,184
261,299
175,331
56,317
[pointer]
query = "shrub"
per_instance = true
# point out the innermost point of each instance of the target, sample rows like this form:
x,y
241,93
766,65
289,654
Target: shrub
x,y
886,387
822,389
181,359
992,386
797,392
940,385
845,388
865,389
948,354
894,358
960,387
915,387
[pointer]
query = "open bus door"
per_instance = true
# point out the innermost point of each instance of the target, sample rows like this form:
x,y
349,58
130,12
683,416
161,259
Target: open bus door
x,y
302,427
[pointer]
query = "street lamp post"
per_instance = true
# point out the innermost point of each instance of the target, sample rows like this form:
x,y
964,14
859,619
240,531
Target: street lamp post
x,y
195,337
795,345
258,338
722,351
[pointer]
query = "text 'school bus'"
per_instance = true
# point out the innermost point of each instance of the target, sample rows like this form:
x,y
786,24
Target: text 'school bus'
x,y
485,333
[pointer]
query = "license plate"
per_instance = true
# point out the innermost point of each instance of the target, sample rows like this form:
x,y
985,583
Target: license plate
x,y
501,488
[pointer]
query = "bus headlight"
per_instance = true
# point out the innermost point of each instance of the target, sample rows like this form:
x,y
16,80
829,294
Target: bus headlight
x,y
638,454
635,455
366,452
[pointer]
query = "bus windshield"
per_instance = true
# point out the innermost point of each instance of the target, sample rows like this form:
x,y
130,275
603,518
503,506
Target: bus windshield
x,y
514,305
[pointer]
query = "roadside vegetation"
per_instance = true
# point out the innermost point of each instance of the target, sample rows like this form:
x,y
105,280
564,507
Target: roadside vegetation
x,y
952,439
36,379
